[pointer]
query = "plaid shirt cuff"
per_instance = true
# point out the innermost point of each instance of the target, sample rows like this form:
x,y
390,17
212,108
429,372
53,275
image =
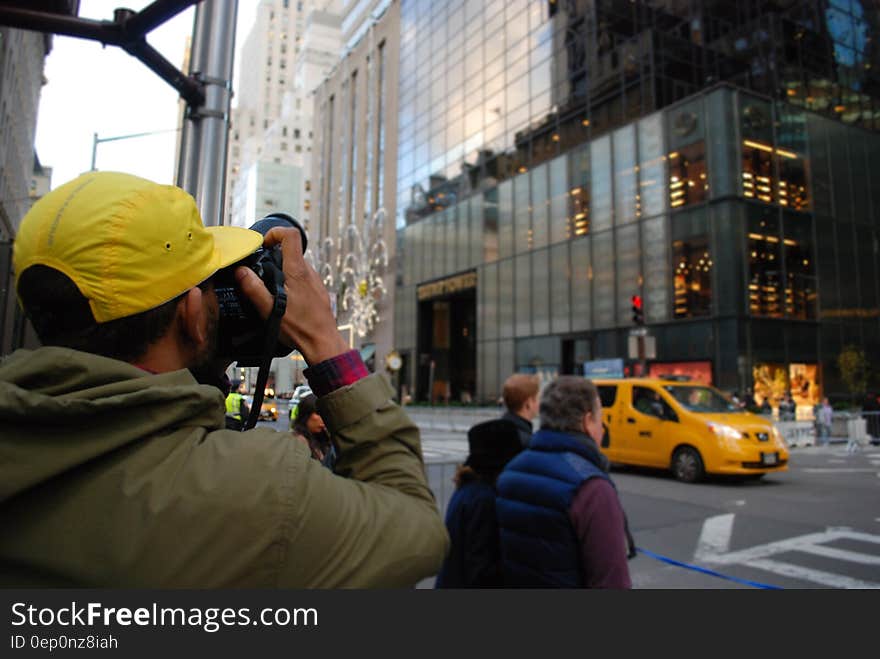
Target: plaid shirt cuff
x,y
336,372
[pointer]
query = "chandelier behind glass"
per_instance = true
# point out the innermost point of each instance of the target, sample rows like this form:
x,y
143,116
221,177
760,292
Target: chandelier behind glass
x,y
353,270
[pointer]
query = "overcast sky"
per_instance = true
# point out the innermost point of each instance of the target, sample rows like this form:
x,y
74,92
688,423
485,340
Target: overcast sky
x,y
91,89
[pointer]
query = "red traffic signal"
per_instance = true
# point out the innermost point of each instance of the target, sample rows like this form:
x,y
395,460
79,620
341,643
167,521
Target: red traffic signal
x,y
638,314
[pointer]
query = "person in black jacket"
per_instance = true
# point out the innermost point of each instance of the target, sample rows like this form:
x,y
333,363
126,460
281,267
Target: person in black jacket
x,y
520,396
474,559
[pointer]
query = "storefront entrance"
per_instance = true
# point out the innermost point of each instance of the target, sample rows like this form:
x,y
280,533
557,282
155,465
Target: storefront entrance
x,y
447,340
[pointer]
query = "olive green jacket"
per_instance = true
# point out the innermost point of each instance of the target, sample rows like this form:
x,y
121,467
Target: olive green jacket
x,y
113,477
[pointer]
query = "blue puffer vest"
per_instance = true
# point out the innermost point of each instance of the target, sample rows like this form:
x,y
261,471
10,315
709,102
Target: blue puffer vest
x,y
535,491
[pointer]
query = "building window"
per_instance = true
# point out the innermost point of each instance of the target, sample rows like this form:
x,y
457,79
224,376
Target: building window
x,y
800,268
296,133
759,163
688,182
580,209
692,283
765,276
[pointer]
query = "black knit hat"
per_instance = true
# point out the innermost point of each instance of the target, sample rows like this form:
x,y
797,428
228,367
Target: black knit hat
x,y
492,445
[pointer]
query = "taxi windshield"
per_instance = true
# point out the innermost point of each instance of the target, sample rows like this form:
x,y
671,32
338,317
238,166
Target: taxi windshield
x,y
701,399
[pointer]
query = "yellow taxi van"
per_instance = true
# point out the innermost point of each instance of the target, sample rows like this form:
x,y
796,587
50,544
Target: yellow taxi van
x,y
690,428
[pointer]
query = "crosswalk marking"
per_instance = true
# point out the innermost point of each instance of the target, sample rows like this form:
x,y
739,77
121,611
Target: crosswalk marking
x,y
809,574
715,538
838,470
714,541
841,554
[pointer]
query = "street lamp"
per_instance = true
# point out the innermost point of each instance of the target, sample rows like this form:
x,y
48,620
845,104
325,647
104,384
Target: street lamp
x,y
97,140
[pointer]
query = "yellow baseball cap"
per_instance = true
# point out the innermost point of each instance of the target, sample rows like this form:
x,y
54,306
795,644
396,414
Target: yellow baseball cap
x,y
128,244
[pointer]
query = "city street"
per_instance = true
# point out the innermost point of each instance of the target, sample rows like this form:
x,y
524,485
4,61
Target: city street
x,y
815,526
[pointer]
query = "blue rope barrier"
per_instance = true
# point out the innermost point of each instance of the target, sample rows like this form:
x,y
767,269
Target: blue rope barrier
x,y
713,573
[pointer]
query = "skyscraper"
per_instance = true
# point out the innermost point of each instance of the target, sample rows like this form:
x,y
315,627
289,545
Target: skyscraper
x,y
271,123
557,157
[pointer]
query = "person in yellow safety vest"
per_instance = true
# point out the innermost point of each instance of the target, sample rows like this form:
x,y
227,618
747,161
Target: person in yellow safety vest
x,y
237,409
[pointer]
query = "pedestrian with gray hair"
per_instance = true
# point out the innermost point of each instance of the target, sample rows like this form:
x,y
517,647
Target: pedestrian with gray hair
x,y
561,522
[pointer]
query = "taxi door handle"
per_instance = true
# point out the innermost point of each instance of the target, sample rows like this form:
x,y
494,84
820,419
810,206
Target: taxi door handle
x,y
629,419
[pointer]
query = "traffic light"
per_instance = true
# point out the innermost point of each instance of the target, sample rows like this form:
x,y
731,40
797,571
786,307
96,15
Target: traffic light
x,y
637,311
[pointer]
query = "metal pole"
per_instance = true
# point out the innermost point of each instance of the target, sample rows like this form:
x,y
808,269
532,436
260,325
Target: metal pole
x,y
94,150
215,37
643,363
190,138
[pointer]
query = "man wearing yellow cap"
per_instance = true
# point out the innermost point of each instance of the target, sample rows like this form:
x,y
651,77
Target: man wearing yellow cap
x,y
115,466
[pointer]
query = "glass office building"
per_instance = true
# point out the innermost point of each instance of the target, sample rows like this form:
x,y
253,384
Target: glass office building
x,y
714,158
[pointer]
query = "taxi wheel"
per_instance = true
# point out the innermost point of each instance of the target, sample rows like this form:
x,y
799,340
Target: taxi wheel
x,y
687,465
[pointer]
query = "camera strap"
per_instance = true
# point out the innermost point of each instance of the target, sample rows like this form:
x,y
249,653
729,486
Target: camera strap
x,y
273,326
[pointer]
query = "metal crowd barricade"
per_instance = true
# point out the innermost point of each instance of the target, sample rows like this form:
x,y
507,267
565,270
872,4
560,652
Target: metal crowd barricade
x,y
872,426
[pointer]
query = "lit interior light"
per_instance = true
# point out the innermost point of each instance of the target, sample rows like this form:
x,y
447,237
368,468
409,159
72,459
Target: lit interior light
x,y
758,145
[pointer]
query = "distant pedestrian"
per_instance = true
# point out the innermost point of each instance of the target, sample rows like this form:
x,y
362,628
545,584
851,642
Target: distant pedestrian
x,y
562,525
237,409
520,395
751,403
474,559
736,401
309,425
823,422
787,408
765,406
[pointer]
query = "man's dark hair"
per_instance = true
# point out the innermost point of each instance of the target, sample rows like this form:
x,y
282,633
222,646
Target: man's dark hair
x,y
61,316
565,401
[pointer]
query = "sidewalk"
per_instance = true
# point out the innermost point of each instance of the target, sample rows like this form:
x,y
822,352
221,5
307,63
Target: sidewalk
x,y
452,418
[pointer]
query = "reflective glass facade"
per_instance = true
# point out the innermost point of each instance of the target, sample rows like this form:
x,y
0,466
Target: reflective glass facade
x,y
574,154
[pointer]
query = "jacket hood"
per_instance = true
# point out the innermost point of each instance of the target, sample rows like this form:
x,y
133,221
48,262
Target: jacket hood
x,y
61,408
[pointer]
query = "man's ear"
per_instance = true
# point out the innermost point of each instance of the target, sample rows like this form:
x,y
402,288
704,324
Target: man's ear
x,y
193,320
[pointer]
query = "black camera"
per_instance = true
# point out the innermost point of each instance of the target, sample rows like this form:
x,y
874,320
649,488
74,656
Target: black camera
x,y
243,336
